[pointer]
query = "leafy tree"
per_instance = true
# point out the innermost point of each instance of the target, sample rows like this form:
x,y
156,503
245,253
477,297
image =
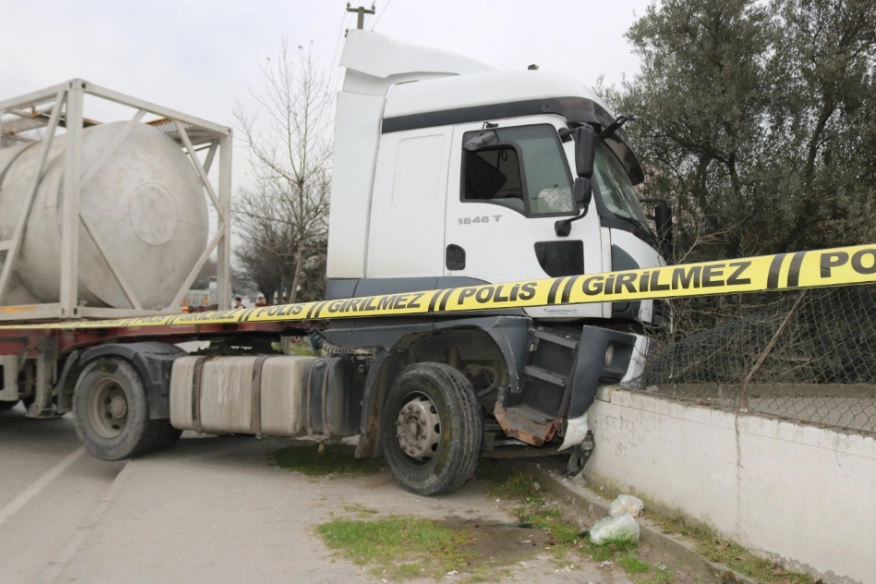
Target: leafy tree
x,y
757,121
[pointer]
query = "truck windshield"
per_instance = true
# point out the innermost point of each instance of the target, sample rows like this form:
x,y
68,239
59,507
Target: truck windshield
x,y
617,192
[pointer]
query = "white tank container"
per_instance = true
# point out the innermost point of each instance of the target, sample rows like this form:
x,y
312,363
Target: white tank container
x,y
146,204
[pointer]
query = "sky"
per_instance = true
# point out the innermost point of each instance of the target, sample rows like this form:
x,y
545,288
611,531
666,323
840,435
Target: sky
x,y
200,56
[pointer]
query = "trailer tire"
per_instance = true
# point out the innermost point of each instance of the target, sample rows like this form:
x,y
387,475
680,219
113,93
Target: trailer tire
x,y
8,405
111,411
431,429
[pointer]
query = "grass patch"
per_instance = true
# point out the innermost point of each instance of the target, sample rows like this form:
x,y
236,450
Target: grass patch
x,y
510,486
622,551
733,556
523,488
322,459
633,565
609,549
401,547
621,543
539,518
656,576
565,535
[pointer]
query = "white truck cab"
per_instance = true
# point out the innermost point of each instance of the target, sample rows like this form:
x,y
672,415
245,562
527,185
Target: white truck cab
x,y
448,172
409,201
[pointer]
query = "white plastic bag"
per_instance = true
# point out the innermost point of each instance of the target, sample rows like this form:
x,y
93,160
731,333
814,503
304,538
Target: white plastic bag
x,y
622,527
626,504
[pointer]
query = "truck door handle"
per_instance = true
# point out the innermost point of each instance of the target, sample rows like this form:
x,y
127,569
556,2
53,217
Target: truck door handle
x,y
454,258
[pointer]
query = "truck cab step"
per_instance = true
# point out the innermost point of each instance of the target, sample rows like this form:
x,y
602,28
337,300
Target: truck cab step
x,y
555,338
545,375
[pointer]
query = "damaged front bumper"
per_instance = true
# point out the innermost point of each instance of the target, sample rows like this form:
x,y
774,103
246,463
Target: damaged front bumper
x,y
563,370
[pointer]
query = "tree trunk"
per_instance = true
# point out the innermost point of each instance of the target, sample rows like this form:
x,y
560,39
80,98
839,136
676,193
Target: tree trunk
x,y
293,289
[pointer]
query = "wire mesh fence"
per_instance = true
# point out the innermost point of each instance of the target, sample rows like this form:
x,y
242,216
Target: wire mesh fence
x,y
806,356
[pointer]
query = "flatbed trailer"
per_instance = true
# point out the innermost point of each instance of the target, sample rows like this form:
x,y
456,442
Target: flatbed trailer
x,y
132,390
48,360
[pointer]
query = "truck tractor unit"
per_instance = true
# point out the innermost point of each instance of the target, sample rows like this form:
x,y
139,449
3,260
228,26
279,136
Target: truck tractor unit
x,y
447,174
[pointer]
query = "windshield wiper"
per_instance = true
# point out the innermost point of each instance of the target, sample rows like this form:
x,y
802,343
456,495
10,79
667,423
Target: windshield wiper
x,y
646,230
615,125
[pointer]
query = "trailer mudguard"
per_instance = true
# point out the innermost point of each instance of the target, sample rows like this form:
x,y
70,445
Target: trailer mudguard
x,y
153,362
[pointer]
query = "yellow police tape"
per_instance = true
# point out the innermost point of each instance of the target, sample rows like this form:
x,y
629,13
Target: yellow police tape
x,y
808,269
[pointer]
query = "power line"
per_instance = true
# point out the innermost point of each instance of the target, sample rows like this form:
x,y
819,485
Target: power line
x,y
338,40
382,12
335,63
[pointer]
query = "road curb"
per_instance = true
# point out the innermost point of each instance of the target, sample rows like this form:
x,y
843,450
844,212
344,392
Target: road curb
x,y
581,495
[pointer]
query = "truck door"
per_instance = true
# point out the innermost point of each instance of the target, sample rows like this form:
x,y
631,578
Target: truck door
x,y
503,200
406,238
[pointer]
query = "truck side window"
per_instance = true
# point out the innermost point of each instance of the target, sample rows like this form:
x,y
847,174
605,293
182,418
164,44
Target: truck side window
x,y
539,184
493,174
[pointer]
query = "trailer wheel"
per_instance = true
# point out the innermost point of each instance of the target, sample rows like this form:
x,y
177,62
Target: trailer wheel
x,y
8,405
111,412
431,429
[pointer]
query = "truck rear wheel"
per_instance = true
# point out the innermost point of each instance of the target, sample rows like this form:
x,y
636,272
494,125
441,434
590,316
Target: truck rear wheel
x,y
112,414
431,429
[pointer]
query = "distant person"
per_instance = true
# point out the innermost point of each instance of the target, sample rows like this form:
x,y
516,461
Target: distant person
x,y
238,303
285,300
261,301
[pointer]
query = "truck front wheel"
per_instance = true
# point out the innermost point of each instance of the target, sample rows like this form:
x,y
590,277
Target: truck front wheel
x,y
431,429
111,411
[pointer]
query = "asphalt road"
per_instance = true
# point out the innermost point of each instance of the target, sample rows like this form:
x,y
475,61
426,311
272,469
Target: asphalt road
x,y
48,486
208,510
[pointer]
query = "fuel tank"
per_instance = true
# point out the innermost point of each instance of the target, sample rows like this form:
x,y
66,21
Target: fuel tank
x,y
267,395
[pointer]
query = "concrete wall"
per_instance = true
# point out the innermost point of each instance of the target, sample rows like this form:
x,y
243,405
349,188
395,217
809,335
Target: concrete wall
x,y
801,494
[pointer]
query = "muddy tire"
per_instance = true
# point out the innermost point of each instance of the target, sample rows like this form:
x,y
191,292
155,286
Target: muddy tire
x,y
8,405
431,429
112,414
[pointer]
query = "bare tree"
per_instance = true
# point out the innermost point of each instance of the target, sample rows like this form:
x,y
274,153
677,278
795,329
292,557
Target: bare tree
x,y
283,220
265,253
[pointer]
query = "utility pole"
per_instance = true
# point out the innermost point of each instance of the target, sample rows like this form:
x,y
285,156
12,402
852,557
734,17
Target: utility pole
x,y
362,11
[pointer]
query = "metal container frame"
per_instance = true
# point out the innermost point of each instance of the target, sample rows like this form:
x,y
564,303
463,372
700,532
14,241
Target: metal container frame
x,y
188,131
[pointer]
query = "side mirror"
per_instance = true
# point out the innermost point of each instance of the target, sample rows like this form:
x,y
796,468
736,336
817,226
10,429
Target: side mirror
x,y
585,150
583,193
